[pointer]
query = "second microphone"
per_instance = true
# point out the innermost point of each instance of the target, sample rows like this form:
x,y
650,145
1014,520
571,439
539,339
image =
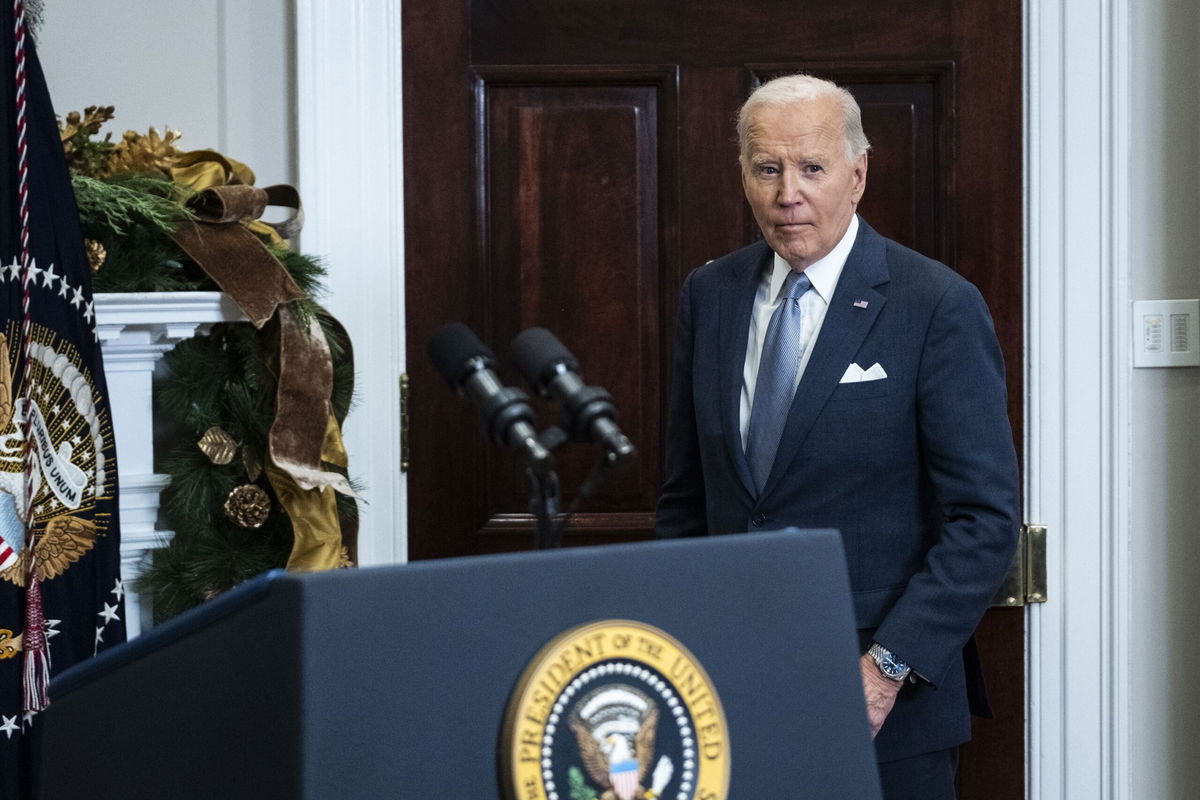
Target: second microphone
x,y
589,412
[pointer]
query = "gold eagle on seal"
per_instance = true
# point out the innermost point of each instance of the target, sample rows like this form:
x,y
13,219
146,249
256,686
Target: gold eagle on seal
x,y
612,757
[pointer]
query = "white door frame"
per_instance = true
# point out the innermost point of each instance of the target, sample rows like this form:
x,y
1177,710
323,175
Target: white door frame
x,y
351,164
1077,446
1076,362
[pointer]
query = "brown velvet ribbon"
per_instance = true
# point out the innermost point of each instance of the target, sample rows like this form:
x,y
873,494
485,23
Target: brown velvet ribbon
x,y
240,264
303,413
304,432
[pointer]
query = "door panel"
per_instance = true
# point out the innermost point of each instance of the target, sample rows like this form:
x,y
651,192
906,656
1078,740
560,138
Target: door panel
x,y
571,215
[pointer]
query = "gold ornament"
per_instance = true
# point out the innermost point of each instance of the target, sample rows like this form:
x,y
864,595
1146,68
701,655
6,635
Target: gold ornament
x,y
149,153
248,505
218,445
85,153
88,122
95,253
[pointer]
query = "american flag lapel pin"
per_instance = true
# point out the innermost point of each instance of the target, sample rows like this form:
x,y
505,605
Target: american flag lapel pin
x,y
860,303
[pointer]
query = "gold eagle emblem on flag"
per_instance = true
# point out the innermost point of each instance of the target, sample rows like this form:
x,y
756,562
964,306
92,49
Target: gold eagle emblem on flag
x,y
69,438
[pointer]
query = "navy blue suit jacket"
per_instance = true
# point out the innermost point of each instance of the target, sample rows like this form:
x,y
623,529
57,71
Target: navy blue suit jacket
x,y
917,470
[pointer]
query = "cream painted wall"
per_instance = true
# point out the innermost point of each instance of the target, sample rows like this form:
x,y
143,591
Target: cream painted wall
x,y
220,71
1165,423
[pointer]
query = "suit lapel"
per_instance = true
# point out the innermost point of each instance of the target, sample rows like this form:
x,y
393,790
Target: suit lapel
x,y
737,302
842,333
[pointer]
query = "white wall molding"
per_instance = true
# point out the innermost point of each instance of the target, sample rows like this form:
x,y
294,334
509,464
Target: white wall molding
x,y
351,176
1077,448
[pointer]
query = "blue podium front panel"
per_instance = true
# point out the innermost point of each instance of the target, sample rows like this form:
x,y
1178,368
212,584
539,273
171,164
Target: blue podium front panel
x,y
398,681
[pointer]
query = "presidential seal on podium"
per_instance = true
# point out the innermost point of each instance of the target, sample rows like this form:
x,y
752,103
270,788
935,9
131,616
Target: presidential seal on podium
x,y
615,710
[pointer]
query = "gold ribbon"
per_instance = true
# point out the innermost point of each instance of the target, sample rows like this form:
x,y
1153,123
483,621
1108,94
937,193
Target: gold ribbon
x,y
316,535
320,540
200,170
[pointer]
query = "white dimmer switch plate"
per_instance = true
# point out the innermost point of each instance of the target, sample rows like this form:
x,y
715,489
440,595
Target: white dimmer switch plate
x,y
1166,333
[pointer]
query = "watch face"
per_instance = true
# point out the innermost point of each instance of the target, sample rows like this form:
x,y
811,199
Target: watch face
x,y
892,666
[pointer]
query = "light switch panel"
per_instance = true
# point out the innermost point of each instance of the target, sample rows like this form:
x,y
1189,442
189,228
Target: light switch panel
x,y
1166,333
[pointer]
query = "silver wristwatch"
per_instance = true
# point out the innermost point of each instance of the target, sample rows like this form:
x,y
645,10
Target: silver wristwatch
x,y
889,663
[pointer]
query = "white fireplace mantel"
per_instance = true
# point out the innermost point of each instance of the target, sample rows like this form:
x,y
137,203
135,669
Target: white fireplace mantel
x,y
135,330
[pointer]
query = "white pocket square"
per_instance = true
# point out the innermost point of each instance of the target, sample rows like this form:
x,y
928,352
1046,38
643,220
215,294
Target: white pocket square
x,y
856,374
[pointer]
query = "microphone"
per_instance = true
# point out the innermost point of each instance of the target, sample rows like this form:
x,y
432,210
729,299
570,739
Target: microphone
x,y
589,410
468,366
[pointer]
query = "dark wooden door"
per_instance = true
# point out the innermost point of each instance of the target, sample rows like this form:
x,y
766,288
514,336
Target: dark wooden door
x,y
567,162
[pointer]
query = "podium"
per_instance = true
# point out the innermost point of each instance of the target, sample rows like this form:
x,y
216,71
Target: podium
x,y
734,659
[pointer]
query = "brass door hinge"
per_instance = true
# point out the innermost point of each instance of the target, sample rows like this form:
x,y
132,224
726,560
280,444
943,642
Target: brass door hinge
x,y
1026,579
404,422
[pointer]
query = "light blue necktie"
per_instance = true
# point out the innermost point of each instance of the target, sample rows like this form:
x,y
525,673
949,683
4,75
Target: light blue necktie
x,y
775,386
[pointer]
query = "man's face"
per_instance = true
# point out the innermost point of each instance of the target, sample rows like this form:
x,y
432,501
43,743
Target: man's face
x,y
799,184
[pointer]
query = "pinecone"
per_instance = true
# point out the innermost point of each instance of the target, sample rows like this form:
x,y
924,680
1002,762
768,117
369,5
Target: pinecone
x,y
95,253
149,153
248,505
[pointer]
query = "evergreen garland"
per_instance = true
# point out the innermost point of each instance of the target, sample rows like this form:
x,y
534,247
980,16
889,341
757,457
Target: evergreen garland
x,y
225,379
132,216
211,381
129,206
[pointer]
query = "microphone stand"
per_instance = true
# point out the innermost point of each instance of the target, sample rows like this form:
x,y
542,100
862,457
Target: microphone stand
x,y
543,503
544,495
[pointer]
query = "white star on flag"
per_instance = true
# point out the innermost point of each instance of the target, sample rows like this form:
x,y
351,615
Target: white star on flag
x,y
34,271
10,725
109,613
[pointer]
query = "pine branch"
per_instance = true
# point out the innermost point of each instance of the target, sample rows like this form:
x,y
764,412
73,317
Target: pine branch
x,y
122,202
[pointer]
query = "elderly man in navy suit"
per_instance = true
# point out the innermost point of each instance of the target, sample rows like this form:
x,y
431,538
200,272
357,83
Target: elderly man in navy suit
x,y
829,377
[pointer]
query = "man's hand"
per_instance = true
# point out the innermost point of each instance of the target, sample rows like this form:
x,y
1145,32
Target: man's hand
x,y
879,691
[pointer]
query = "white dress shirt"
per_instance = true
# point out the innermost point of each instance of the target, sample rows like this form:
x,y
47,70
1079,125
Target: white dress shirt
x,y
824,276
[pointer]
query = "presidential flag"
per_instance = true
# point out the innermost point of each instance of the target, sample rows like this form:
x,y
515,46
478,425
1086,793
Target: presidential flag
x,y
61,597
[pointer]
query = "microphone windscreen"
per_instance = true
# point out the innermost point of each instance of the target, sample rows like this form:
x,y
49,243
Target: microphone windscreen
x,y
537,351
454,345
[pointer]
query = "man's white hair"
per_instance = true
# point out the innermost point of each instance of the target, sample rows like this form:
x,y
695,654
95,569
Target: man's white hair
x,y
791,88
